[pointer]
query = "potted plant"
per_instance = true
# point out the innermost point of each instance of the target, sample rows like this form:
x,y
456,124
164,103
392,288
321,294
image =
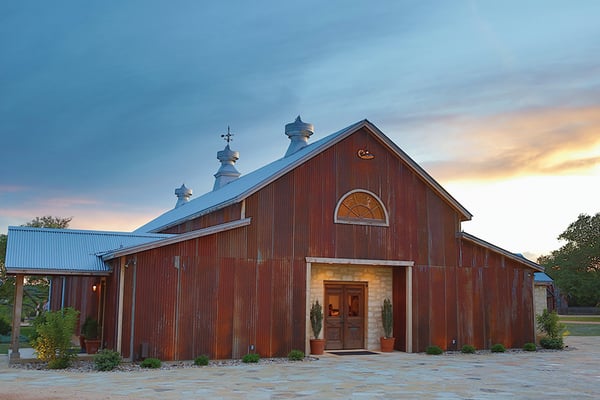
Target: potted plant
x,y
90,331
317,346
387,319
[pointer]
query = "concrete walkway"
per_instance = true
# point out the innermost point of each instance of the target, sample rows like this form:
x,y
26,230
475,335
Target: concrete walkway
x,y
570,374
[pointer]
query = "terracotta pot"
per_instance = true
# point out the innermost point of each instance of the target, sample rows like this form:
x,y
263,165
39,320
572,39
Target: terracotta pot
x,y
387,344
317,346
92,346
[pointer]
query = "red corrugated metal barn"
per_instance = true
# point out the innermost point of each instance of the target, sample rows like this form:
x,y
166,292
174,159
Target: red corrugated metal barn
x,y
348,220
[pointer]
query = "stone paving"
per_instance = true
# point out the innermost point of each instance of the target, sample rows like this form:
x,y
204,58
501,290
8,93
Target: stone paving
x,y
573,373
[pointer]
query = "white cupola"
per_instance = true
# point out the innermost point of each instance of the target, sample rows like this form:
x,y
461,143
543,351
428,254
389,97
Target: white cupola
x,y
227,172
298,132
183,195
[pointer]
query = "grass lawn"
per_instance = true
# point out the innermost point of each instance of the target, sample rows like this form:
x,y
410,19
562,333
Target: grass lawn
x,y
581,318
25,331
583,329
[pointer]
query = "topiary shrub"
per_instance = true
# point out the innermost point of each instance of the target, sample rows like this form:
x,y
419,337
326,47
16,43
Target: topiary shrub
x,y
201,360
552,343
151,363
251,358
107,360
5,327
434,350
53,341
296,355
468,349
530,347
316,318
498,348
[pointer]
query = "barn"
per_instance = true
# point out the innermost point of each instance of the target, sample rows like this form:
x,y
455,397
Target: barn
x,y
348,220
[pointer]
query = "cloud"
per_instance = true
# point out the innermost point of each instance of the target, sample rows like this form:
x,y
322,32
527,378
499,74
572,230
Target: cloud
x,y
549,141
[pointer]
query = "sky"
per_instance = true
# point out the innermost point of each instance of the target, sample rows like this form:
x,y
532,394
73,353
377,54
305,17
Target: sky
x,y
107,107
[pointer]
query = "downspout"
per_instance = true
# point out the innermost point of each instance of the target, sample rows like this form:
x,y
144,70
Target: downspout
x,y
133,290
409,303
120,306
62,299
49,294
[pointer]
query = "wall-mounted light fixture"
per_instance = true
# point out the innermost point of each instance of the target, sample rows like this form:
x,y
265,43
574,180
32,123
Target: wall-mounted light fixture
x,y
94,287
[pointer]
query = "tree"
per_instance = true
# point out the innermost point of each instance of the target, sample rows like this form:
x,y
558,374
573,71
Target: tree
x,y
35,291
575,267
48,221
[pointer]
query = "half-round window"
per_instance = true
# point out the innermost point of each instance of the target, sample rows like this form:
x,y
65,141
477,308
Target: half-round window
x,y
361,207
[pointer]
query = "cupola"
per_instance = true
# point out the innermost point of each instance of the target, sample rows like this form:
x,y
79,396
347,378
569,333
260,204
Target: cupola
x,y
298,132
227,172
183,195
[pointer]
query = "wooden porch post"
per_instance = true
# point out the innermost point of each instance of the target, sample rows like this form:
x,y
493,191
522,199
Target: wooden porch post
x,y
17,309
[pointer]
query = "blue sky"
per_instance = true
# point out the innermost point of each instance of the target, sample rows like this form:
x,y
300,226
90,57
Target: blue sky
x,y
106,108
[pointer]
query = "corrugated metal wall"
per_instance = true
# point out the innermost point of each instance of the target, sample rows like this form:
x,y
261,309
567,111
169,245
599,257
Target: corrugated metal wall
x,y
218,295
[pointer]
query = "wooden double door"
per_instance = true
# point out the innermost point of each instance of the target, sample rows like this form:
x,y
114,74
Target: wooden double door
x,y
345,315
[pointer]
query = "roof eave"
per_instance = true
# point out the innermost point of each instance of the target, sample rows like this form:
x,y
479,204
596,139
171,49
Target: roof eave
x,y
499,250
56,272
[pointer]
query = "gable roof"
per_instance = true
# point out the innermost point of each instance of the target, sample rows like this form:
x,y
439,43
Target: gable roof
x,y
236,191
65,251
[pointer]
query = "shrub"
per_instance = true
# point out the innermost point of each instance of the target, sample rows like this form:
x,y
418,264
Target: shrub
x,y
316,318
548,323
387,318
201,360
107,360
53,341
530,347
89,329
5,327
468,349
498,348
434,350
296,355
552,343
151,363
251,358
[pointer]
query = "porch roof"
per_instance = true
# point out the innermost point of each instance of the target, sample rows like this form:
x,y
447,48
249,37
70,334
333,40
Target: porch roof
x,y
44,251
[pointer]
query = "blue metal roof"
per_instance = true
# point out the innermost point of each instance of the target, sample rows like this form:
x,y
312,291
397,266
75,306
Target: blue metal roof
x,y
541,277
246,185
47,251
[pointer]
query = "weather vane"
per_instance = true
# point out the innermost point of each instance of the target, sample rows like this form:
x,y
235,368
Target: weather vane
x,y
228,135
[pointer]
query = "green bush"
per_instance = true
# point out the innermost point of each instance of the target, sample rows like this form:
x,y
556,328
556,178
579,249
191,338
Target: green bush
x,y
530,347
498,348
89,329
107,360
296,355
201,360
552,343
548,323
53,341
5,327
468,349
251,358
434,350
151,363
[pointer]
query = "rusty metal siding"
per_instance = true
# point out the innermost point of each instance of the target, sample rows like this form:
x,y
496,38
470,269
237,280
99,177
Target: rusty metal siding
x,y
247,286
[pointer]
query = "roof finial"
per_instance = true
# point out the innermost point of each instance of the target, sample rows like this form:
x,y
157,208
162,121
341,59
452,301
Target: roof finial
x,y
228,135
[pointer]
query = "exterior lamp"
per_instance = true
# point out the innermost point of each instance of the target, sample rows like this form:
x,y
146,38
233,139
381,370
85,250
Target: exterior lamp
x,y
94,287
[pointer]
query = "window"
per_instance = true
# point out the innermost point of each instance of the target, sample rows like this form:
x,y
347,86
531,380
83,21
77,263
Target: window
x,y
361,207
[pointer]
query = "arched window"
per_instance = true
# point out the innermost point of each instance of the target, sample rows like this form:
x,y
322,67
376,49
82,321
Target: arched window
x,y
361,207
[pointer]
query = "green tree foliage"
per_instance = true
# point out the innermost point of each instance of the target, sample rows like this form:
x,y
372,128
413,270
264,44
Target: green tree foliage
x,y
53,342
575,267
48,221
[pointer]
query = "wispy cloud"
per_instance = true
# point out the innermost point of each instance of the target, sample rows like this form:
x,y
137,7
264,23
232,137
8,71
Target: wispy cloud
x,y
532,142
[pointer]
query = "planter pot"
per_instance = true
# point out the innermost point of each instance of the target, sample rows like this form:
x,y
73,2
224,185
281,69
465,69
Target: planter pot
x,y
317,346
387,344
92,346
